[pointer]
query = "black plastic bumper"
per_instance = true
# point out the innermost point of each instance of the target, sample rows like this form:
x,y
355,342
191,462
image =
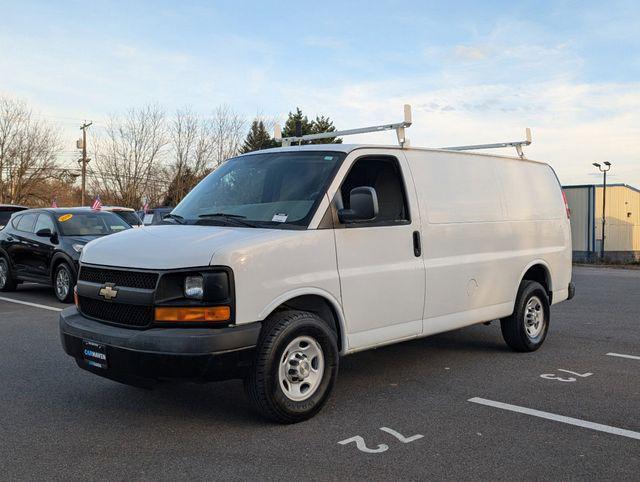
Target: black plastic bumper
x,y
143,357
572,291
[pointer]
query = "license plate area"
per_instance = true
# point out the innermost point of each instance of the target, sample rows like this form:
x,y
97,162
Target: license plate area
x,y
94,354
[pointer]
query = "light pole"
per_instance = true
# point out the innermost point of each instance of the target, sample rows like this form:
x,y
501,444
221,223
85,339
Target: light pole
x,y
603,170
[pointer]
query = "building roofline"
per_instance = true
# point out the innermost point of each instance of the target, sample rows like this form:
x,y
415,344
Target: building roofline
x,y
615,184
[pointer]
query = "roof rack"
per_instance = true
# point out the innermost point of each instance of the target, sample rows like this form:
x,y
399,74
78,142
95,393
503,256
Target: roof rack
x,y
517,144
399,127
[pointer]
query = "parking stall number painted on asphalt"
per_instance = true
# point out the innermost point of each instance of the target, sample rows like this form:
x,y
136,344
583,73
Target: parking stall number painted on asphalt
x,y
553,376
362,446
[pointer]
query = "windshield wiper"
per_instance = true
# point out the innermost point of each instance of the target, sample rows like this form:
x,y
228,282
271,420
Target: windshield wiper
x,y
222,215
176,217
236,219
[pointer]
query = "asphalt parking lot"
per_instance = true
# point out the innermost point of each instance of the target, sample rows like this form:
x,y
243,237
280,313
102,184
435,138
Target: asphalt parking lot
x,y
430,408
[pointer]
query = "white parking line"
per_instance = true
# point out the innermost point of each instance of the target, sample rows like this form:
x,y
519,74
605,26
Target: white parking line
x,y
622,355
558,418
35,305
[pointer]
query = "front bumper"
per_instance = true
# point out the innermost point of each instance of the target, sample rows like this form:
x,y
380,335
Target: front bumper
x,y
143,357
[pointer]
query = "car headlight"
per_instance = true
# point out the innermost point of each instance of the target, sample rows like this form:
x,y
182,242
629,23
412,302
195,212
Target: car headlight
x,y
194,287
78,247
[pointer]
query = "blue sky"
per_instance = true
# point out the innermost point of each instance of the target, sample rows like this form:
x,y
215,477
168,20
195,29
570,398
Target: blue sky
x,y
473,71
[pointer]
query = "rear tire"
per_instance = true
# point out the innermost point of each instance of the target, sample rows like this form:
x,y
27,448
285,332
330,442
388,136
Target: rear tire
x,y
63,283
7,281
526,329
295,367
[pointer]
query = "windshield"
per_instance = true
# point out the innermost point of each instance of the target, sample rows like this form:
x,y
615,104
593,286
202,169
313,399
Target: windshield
x,y
277,189
90,224
130,217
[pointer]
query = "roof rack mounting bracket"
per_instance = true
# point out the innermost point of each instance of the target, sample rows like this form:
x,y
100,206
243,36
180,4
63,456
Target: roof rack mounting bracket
x,y
399,127
517,144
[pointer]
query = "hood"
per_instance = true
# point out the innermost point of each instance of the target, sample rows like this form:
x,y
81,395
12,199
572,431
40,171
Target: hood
x,y
165,246
81,239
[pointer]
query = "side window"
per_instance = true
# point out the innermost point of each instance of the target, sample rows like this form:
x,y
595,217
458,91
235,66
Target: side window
x,y
44,222
15,220
384,175
26,222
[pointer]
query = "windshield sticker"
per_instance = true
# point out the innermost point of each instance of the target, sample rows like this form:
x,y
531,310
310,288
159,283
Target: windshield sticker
x,y
279,218
65,217
328,158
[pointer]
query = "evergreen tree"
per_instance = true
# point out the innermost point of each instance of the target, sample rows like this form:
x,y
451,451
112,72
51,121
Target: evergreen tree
x,y
258,138
290,126
324,124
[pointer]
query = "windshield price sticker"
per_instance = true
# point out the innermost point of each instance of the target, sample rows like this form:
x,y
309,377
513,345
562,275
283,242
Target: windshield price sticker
x,y
279,218
65,217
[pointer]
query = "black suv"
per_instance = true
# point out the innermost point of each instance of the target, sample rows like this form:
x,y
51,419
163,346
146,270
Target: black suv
x,y
44,246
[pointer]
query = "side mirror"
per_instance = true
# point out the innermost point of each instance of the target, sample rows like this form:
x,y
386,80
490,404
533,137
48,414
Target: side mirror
x,y
363,202
44,233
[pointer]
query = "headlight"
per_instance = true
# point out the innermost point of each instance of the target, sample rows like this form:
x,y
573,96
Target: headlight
x,y
194,287
78,247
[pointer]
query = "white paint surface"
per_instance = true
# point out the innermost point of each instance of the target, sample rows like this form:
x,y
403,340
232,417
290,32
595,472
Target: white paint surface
x,y
35,305
622,355
558,418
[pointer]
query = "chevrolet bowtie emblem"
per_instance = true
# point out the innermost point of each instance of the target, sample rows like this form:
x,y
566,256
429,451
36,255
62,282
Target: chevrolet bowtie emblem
x,y
108,292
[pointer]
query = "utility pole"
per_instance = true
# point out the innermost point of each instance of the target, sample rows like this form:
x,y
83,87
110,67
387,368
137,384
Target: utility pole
x,y
84,160
604,200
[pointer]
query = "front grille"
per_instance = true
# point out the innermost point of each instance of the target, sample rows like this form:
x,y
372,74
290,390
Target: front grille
x,y
131,315
130,279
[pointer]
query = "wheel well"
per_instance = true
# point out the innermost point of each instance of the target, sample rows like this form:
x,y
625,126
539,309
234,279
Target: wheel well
x,y
57,262
539,273
318,305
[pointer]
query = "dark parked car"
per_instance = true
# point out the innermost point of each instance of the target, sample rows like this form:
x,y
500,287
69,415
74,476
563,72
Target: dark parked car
x,y
129,215
44,246
6,210
155,215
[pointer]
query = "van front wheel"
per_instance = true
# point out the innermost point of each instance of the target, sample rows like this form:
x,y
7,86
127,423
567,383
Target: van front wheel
x,y
526,329
295,367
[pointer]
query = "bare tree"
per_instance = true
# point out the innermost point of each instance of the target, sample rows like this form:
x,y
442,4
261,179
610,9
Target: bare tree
x,y
28,152
193,148
228,130
128,157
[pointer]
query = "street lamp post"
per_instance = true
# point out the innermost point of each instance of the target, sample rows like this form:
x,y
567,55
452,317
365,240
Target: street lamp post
x,y
604,171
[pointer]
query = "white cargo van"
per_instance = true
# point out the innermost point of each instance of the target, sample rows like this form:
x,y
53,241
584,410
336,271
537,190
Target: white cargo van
x,y
282,260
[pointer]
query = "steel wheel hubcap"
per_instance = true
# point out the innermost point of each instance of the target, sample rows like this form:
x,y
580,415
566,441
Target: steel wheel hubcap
x,y
301,368
62,283
534,320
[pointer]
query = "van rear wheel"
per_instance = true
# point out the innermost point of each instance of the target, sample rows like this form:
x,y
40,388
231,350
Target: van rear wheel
x,y
526,329
295,368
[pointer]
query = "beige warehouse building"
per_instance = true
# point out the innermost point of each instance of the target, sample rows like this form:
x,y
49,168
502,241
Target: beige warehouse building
x,y
622,223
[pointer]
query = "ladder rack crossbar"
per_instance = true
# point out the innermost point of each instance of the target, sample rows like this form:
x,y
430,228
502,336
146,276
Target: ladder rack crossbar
x,y
348,132
399,127
517,144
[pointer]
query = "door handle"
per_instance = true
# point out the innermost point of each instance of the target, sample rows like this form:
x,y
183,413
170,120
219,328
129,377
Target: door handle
x,y
417,244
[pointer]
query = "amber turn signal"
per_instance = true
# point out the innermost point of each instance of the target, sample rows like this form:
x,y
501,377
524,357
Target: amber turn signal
x,y
193,314
75,297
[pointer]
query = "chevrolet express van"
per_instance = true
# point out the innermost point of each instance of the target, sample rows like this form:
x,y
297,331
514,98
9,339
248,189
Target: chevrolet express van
x,y
283,260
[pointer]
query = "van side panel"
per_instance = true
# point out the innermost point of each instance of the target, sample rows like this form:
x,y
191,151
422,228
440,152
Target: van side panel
x,y
479,233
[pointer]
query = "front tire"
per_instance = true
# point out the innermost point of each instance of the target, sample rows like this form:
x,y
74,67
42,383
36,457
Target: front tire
x,y
526,329
63,283
7,281
295,368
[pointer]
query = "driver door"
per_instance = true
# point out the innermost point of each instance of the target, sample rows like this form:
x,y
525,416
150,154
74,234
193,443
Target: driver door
x,y
382,276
